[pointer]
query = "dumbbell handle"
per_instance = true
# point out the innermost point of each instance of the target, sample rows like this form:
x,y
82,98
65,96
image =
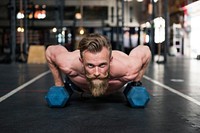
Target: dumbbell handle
x,y
136,83
128,86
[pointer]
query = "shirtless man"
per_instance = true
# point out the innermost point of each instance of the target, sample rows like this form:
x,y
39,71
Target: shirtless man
x,y
95,67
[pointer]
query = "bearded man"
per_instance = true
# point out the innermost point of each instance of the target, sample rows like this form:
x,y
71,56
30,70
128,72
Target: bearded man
x,y
95,67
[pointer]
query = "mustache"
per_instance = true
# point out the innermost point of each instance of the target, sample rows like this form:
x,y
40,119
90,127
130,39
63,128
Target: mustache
x,y
102,77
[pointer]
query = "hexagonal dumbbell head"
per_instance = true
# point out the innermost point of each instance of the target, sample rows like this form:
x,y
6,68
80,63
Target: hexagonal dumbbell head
x,y
57,96
138,96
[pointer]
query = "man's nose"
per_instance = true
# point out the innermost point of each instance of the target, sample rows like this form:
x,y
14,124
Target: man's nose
x,y
96,74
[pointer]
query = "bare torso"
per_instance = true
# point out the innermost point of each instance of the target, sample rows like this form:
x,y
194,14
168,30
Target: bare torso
x,y
122,69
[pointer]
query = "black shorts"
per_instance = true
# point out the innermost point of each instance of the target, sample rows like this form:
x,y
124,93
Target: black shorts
x,y
69,83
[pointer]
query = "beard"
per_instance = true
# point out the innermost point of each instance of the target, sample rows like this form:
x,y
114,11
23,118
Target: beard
x,y
98,86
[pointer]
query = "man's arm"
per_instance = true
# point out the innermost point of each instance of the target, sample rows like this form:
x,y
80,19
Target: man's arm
x,y
130,67
141,54
53,55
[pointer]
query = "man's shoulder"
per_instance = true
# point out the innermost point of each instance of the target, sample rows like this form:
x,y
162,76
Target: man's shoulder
x,y
118,66
117,51
119,54
73,55
69,62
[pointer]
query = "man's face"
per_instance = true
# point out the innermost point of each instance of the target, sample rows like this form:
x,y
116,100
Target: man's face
x,y
97,68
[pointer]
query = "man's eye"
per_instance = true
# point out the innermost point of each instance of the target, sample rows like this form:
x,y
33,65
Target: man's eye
x,y
102,65
90,65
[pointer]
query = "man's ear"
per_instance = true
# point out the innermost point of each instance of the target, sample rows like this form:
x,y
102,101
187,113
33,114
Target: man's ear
x,y
81,60
111,58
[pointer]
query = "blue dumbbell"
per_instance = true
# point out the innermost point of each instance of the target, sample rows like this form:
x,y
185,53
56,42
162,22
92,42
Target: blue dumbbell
x,y
137,95
58,96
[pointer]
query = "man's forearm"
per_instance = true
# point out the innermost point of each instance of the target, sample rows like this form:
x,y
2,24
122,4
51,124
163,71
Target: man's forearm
x,y
141,72
56,75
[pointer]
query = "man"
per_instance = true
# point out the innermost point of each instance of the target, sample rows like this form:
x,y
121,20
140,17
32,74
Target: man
x,y
95,67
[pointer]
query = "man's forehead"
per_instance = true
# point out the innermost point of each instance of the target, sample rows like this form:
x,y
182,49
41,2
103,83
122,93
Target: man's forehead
x,y
103,52
96,58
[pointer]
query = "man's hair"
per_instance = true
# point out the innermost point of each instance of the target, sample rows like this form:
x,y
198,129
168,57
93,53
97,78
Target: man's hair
x,y
94,43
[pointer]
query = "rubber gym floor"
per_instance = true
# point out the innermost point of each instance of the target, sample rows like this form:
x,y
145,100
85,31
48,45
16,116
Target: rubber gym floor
x,y
174,105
